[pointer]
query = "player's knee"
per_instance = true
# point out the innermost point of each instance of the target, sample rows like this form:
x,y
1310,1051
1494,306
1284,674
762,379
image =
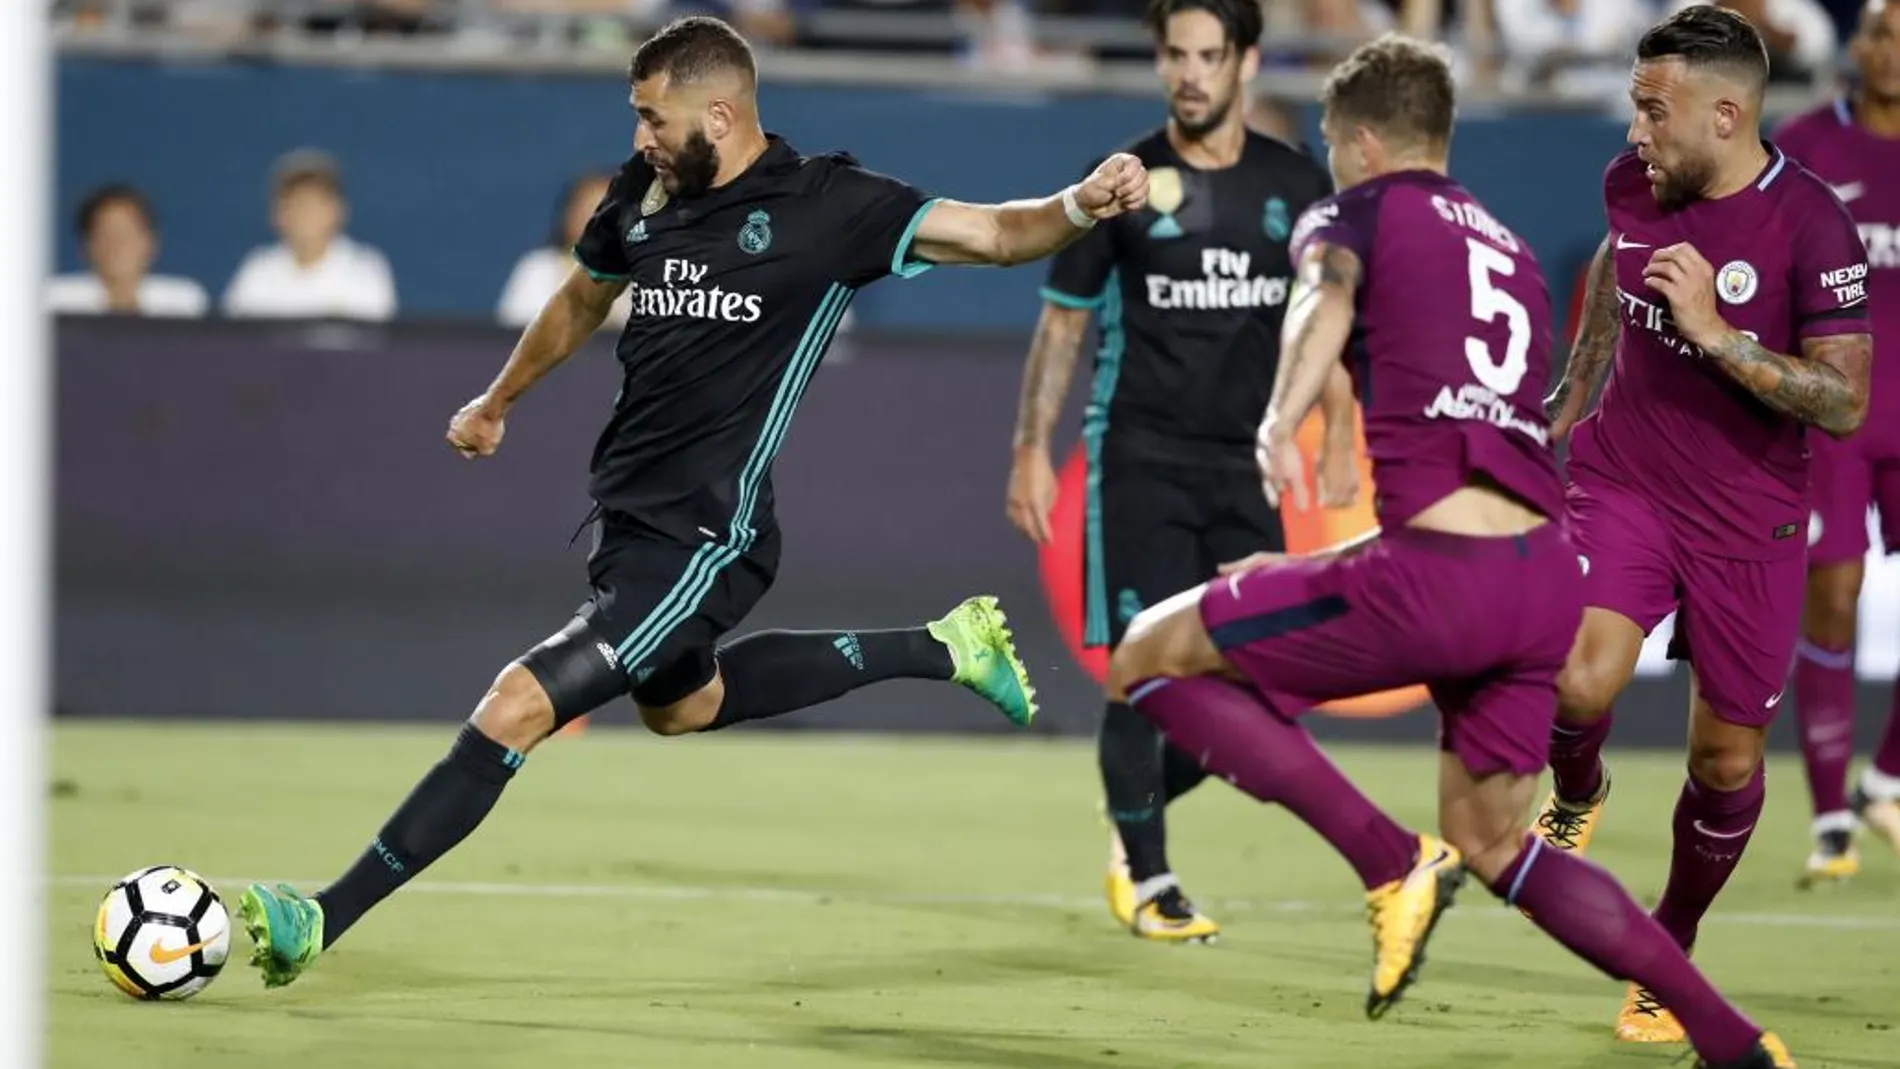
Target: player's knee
x,y
1723,767
695,712
1130,663
516,711
1833,613
1586,689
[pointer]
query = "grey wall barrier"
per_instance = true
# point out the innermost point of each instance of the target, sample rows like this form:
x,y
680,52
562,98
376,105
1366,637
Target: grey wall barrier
x,y
257,521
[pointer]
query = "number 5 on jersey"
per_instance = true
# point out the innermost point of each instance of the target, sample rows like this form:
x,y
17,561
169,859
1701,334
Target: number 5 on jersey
x,y
1488,303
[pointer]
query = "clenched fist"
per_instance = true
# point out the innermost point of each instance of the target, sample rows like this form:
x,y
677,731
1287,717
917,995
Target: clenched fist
x,y
1119,185
476,430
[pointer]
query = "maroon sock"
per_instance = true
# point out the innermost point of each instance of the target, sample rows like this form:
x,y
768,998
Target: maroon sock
x,y
1576,751
1583,907
1887,757
1824,706
1712,829
1238,738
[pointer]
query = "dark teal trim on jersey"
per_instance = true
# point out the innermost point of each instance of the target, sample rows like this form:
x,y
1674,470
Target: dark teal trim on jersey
x,y
901,264
1069,300
703,570
1108,369
678,604
805,360
597,276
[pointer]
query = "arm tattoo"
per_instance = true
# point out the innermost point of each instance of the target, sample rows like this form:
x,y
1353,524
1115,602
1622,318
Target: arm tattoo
x,y
1310,335
1825,386
1052,354
1596,334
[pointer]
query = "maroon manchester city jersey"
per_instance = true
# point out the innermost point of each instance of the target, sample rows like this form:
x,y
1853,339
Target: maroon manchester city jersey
x,y
1450,349
1729,473
1863,170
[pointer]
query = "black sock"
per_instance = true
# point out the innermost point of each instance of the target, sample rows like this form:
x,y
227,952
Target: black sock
x,y
774,672
448,804
1129,750
1180,772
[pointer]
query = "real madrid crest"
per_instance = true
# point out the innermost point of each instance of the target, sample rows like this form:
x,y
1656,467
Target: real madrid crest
x,y
1736,282
756,235
654,200
1164,190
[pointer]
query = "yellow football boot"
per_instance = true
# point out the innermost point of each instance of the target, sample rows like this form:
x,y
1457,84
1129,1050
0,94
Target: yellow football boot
x,y
1169,917
1645,1020
1834,859
1570,826
1402,915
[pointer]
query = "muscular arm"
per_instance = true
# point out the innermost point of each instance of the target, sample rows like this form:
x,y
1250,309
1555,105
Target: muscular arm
x,y
1826,385
569,318
1313,336
1596,341
1019,231
997,235
1337,407
1052,355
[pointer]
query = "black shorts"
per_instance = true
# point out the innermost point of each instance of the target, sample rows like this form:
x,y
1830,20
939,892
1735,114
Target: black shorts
x,y
658,610
1154,530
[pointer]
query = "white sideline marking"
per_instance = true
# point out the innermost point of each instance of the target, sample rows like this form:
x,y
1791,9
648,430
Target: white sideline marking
x,y
806,897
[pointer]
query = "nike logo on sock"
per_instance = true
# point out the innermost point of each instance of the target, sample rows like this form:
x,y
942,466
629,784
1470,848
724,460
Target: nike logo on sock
x,y
1706,830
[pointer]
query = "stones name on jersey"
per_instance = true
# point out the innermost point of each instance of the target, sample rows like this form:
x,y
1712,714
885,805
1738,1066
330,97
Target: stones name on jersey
x,y
1224,284
681,294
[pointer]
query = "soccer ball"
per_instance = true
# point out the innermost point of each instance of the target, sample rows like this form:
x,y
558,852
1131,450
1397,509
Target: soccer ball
x,y
162,933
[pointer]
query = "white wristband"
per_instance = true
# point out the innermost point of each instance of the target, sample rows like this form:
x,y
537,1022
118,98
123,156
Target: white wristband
x,y
1081,219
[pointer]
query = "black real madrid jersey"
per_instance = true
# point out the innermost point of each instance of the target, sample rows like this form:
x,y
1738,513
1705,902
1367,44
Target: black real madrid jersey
x,y
1189,294
736,295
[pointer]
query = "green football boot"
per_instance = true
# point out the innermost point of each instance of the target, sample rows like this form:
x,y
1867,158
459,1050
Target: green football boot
x,y
984,654
286,930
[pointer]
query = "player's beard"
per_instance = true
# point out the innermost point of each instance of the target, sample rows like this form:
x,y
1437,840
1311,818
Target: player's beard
x,y
1194,130
1685,181
695,165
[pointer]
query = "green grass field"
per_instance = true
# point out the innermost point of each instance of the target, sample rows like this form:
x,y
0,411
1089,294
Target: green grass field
x,y
754,900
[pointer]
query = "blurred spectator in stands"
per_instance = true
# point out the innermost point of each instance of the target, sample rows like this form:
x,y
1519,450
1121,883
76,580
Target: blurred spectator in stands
x,y
610,23
1576,47
316,271
1800,34
120,238
1355,20
1268,116
540,271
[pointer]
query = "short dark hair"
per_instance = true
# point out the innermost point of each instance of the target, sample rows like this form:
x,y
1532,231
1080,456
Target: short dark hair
x,y
1707,36
306,167
1241,19
1399,86
104,197
691,48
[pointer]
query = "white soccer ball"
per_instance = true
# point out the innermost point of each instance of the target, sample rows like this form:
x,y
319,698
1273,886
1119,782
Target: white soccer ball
x,y
162,933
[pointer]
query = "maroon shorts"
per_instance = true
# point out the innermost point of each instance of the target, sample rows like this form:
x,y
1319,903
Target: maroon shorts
x,y
1848,478
1737,621
1485,623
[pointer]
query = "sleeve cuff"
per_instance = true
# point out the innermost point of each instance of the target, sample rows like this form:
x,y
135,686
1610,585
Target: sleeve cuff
x,y
1069,300
902,265
595,273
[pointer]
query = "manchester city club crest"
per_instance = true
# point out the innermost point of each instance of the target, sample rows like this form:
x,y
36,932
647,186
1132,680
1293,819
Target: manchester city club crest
x,y
1736,281
1274,220
756,235
1165,194
654,200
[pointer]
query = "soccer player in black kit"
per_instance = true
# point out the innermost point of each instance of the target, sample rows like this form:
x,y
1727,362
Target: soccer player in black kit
x,y
743,256
1189,294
